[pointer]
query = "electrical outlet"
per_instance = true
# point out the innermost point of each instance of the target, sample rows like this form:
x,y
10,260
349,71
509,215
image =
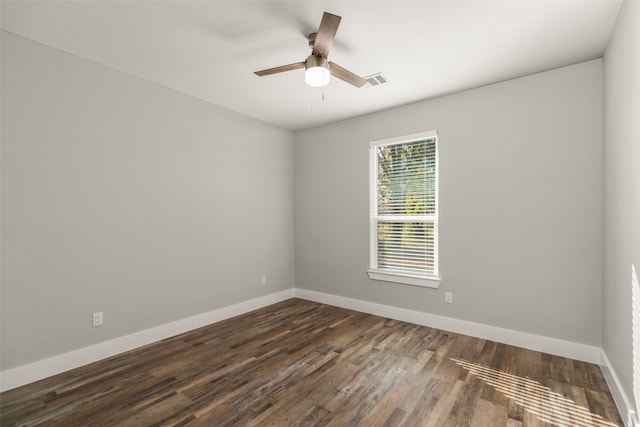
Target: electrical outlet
x,y
448,297
97,319
264,280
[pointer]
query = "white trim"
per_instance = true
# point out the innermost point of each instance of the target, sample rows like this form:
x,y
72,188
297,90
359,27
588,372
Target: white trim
x,y
406,279
555,346
623,402
635,332
25,374
404,138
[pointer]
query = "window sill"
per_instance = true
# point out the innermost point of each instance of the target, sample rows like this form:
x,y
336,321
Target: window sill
x,y
406,279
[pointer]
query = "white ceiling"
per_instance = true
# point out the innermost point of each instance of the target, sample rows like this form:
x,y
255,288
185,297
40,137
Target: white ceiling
x,y
209,49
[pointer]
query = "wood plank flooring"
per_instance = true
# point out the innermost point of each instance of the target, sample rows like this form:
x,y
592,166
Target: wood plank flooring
x,y
300,363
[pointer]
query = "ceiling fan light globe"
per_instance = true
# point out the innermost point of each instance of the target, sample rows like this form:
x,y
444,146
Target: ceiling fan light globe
x,y
317,76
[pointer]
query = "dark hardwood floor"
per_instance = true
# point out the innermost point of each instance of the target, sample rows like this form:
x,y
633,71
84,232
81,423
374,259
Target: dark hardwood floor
x,y
300,363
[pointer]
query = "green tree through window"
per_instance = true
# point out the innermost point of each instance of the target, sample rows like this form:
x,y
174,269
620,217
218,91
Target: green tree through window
x,y
404,209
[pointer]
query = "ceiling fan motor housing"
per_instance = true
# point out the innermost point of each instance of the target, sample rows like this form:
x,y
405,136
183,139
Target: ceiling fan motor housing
x,y
317,61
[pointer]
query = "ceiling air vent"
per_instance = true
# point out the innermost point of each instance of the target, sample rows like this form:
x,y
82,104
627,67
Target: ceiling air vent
x,y
376,79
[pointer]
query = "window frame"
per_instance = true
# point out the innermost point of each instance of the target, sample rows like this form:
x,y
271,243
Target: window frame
x,y
375,273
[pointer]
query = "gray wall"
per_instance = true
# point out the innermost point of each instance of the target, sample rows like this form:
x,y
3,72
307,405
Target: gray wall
x,y
122,196
621,188
520,204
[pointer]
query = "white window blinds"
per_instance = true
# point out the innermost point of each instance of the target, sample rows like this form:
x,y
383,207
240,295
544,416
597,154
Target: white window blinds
x,y
404,205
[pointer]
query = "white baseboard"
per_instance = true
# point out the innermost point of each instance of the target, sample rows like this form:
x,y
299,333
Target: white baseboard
x,y
31,372
623,402
555,346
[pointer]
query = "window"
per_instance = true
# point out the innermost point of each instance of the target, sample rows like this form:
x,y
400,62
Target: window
x,y
404,210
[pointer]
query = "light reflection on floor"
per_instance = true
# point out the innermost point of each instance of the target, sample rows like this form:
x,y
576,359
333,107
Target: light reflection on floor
x,y
541,401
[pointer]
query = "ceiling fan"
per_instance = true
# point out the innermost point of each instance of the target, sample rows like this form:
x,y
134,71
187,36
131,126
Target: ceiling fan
x,y
317,67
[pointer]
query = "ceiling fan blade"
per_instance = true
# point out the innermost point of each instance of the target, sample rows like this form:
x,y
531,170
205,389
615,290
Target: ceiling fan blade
x,y
326,34
280,69
346,75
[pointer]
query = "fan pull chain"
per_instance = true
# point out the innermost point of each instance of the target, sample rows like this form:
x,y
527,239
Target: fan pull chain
x,y
313,96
